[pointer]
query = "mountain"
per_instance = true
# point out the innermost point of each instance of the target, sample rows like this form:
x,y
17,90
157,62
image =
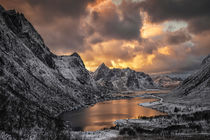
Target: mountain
x,y
72,68
165,81
36,85
171,79
196,88
122,79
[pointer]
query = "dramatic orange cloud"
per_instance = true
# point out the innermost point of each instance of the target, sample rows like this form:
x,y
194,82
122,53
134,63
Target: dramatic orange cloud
x,y
141,34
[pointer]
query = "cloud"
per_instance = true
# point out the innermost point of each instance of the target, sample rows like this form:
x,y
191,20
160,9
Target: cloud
x,y
55,8
177,37
64,35
118,21
202,44
64,8
195,12
199,24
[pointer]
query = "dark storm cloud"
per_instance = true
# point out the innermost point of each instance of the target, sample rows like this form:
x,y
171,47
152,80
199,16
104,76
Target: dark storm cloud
x,y
73,8
96,40
203,44
51,9
177,37
161,10
147,46
66,36
118,22
200,24
166,63
196,12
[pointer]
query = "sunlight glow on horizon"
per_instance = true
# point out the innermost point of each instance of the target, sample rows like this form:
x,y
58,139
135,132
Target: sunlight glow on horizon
x,y
127,53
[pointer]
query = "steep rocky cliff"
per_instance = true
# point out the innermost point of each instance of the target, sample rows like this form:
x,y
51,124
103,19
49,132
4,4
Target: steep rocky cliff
x,y
36,85
122,79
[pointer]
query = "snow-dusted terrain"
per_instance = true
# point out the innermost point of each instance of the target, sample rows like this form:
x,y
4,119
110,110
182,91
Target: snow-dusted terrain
x,y
36,85
122,79
187,106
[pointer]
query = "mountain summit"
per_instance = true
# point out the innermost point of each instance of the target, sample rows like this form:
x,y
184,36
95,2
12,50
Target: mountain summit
x,y
100,72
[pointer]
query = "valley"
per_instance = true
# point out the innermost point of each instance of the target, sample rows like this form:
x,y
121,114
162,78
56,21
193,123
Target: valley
x,y
48,96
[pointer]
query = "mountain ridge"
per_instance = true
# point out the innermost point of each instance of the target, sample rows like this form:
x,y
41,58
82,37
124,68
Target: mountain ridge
x,y
35,84
122,79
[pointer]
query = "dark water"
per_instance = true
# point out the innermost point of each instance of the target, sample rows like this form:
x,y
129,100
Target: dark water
x,y
103,114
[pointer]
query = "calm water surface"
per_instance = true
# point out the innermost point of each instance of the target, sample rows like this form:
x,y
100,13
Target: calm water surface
x,y
103,114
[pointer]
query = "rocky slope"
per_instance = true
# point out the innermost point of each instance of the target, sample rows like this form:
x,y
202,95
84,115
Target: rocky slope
x,y
122,79
196,88
35,84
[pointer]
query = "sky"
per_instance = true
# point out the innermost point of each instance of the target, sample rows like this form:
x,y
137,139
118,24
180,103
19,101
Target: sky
x,y
146,35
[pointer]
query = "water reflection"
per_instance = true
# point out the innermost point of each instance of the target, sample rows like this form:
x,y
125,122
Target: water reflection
x,y
102,115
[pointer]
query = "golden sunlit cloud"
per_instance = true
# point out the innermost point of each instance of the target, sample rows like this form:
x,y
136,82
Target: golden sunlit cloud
x,y
117,54
164,50
99,4
150,58
150,30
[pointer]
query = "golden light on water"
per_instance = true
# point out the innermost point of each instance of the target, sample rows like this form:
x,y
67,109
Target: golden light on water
x,y
117,109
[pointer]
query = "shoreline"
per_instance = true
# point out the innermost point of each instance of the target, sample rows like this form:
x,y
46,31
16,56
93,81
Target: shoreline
x,y
181,120
176,123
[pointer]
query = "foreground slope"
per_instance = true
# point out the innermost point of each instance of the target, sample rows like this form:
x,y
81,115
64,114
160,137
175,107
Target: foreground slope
x,y
36,85
122,79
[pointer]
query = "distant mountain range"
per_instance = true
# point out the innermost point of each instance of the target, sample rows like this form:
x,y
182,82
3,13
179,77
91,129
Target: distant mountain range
x,y
122,79
165,81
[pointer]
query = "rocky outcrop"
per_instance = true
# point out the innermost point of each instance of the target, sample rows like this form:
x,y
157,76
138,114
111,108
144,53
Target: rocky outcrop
x,y
72,68
122,79
36,85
